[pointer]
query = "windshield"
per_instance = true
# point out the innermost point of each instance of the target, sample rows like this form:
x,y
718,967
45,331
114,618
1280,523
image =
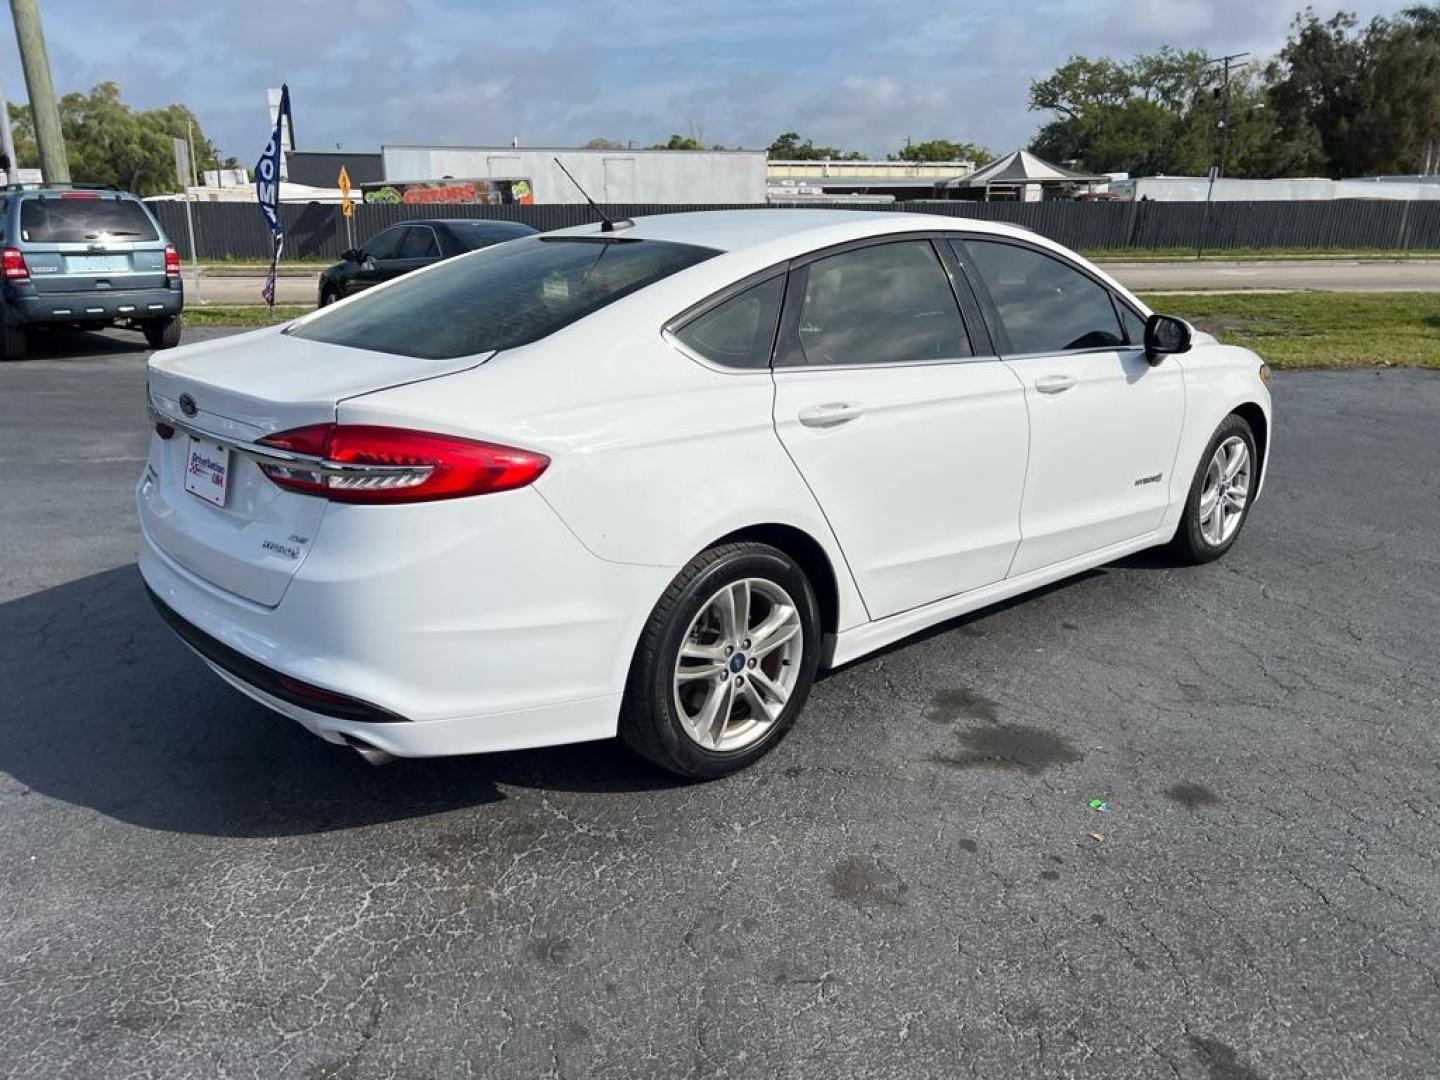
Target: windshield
x,y
499,297
75,218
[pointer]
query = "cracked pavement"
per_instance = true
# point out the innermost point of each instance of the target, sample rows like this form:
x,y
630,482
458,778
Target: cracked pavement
x,y
908,886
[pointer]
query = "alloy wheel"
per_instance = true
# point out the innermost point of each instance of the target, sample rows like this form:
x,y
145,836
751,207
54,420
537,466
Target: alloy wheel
x,y
1226,491
738,664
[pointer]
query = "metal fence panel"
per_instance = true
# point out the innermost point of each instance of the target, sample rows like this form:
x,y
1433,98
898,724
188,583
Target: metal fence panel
x,y
316,231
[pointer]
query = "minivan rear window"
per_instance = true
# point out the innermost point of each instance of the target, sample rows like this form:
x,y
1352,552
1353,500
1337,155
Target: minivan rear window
x,y
84,218
499,297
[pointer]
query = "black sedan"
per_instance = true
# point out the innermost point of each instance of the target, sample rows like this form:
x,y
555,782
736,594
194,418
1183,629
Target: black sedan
x,y
409,246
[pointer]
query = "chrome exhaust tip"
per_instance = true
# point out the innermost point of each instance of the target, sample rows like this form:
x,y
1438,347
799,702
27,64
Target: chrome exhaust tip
x,y
373,754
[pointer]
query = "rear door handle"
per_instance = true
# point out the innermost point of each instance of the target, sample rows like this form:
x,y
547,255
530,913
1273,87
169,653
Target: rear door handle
x,y
830,414
1054,384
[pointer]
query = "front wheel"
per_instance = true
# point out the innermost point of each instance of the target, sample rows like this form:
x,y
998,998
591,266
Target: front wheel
x,y
162,333
1220,494
725,664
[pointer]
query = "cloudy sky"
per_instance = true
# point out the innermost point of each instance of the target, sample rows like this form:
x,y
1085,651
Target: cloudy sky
x,y
559,72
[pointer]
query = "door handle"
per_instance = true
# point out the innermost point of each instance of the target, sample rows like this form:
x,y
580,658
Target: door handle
x,y
830,414
1054,384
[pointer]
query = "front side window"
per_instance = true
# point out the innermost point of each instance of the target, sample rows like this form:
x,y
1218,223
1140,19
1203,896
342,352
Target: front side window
x,y
419,243
84,217
1134,324
500,297
738,332
1045,305
386,245
884,304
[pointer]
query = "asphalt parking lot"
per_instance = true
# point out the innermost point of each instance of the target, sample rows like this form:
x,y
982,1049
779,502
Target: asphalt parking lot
x,y
909,886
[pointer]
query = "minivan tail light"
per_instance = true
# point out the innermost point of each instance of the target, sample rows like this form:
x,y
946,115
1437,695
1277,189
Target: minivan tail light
x,y
172,261
14,265
365,463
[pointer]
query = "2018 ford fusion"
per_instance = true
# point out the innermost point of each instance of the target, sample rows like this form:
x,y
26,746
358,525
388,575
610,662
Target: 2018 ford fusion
x,y
648,479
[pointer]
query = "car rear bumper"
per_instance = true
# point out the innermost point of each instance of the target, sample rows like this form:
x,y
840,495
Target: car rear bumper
x,y
102,305
453,627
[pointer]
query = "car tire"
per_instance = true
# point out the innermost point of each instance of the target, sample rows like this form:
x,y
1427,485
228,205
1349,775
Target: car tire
x,y
1224,483
750,670
163,333
328,297
14,342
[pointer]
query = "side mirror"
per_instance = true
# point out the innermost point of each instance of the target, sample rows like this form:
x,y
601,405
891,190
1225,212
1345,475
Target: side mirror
x,y
1164,335
354,255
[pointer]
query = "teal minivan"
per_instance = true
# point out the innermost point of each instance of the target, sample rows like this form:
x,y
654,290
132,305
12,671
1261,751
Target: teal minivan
x,y
86,258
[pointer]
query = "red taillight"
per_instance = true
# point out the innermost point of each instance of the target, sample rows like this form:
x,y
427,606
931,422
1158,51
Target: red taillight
x,y
172,261
420,466
14,264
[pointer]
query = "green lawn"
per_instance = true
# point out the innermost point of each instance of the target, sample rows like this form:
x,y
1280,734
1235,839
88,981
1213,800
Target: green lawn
x,y
1315,329
241,314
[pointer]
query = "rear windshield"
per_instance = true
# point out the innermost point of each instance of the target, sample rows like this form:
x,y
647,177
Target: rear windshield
x,y
499,297
478,234
76,219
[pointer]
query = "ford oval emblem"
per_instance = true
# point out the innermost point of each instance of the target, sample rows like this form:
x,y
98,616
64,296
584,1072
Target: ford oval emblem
x,y
187,405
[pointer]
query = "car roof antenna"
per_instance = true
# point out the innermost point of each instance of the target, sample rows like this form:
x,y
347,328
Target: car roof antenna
x,y
606,224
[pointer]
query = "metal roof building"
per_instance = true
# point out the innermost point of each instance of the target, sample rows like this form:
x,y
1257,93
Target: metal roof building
x,y
609,176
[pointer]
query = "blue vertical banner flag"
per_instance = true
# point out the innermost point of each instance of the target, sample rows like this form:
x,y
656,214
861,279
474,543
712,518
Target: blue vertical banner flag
x,y
267,190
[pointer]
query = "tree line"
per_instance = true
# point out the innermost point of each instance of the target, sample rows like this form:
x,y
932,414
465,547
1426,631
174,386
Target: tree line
x,y
107,142
1340,99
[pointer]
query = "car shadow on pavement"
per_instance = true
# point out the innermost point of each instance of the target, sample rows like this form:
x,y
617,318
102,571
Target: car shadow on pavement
x,y
102,706
74,344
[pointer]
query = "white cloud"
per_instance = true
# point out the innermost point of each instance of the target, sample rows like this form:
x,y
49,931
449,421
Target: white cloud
x,y
849,73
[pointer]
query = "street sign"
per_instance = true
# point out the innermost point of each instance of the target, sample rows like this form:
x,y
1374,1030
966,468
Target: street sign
x,y
343,183
182,162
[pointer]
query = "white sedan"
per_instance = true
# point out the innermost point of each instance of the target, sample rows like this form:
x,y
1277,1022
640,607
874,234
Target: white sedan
x,y
648,480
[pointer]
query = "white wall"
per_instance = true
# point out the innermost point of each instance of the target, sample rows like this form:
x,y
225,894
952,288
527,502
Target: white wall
x,y
610,176
1227,189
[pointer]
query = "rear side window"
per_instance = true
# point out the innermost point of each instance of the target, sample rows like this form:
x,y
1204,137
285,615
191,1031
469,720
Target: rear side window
x,y
738,332
500,297
81,219
1045,305
884,304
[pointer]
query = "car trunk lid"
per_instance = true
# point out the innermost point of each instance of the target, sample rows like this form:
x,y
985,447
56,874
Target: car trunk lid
x,y
245,534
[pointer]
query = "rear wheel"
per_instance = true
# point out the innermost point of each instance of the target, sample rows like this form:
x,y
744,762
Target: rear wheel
x,y
14,342
1220,494
162,333
725,663
328,296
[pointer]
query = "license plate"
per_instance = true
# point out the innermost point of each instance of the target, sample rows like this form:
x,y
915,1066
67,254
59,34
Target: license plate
x,y
206,470
97,264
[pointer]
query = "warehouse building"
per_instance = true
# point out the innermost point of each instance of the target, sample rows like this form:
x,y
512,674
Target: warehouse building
x,y
609,176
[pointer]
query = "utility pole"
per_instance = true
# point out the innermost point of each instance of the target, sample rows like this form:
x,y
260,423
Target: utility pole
x,y
54,166
8,136
1223,93
1218,169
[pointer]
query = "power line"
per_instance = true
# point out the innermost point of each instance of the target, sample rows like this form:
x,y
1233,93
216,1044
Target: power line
x,y
1223,92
